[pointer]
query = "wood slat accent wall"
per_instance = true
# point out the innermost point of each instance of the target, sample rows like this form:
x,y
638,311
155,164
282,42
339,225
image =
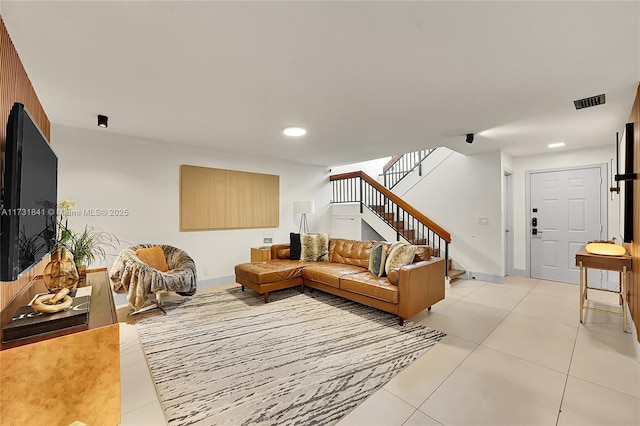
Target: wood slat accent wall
x,y
15,86
634,247
227,199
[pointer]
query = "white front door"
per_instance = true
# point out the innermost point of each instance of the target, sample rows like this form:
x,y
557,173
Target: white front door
x,y
565,214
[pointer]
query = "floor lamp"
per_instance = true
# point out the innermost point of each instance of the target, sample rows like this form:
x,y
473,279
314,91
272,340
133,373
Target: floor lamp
x,y
303,208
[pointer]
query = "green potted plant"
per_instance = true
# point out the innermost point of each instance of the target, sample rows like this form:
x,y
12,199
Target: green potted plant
x,y
86,246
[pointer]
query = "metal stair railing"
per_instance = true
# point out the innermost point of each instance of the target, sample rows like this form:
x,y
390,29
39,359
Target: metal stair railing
x,y
400,166
409,223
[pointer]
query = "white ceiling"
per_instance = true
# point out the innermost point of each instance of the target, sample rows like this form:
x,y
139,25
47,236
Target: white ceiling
x,y
367,79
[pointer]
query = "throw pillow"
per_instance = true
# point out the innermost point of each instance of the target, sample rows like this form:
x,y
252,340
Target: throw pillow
x,y
377,259
314,247
294,240
154,257
423,253
399,255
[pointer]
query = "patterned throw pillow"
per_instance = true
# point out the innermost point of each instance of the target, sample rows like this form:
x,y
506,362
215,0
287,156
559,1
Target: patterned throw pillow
x,y
294,240
400,254
377,259
154,257
314,247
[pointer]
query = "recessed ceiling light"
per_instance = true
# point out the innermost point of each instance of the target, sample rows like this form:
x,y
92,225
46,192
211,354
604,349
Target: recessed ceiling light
x,y
294,131
556,145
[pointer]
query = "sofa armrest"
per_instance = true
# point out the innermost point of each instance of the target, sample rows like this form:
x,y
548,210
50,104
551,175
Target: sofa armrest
x,y
420,285
276,248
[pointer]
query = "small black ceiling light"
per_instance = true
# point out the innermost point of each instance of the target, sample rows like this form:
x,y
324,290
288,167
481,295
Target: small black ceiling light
x,y
103,121
469,137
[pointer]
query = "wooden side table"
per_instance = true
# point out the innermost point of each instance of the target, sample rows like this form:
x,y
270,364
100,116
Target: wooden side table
x,y
260,254
622,264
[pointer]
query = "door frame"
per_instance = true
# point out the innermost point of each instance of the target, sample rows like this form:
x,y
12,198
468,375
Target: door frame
x,y
604,194
508,221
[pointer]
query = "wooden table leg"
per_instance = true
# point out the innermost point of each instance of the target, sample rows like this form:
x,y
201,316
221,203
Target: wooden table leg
x,y
620,286
623,295
581,289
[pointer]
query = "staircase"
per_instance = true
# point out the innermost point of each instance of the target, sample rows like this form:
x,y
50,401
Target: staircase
x,y
401,165
454,274
409,224
394,171
398,225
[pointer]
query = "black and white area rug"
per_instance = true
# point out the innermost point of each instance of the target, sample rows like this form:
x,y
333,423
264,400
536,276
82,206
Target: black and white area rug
x,y
227,358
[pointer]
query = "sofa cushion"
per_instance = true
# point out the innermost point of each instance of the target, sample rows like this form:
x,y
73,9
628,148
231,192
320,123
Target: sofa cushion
x,y
377,259
350,252
399,255
295,248
284,253
393,276
366,284
269,272
329,273
423,253
314,247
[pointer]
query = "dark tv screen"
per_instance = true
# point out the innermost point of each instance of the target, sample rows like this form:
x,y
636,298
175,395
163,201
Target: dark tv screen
x,y
28,216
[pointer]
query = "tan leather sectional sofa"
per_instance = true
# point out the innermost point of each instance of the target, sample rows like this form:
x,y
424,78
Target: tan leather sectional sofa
x,y
404,292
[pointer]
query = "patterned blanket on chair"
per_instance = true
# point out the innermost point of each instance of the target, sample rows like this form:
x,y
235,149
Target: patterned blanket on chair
x,y
131,275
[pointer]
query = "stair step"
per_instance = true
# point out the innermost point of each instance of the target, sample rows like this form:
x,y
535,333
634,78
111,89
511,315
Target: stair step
x,y
377,208
409,234
454,274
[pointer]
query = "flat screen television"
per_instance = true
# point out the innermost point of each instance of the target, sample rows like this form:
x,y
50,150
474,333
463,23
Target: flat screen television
x,y
29,196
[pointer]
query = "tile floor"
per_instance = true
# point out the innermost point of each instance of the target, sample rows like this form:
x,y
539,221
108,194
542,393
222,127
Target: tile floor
x,y
514,354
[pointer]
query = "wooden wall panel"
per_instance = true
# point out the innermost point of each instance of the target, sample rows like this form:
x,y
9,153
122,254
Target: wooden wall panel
x,y
634,247
227,199
15,86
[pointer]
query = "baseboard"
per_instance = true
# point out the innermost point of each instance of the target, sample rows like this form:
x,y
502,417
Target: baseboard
x,y
520,273
498,279
216,282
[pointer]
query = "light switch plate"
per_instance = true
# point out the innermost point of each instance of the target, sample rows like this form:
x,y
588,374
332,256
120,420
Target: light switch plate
x,y
483,221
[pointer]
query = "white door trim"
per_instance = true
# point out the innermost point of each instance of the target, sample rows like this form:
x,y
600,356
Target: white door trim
x,y
603,203
508,221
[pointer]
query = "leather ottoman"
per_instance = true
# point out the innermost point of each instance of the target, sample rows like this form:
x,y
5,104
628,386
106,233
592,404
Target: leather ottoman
x,y
263,277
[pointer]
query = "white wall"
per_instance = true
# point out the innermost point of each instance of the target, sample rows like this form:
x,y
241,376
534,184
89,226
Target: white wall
x,y
456,194
102,170
555,160
372,167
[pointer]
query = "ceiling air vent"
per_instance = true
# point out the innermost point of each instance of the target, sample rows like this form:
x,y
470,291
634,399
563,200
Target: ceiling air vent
x,y
589,102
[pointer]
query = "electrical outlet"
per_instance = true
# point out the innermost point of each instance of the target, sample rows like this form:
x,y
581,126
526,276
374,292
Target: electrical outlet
x,y
206,272
267,239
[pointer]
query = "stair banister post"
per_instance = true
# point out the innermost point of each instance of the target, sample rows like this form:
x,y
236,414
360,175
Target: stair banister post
x,y
361,195
397,219
446,259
